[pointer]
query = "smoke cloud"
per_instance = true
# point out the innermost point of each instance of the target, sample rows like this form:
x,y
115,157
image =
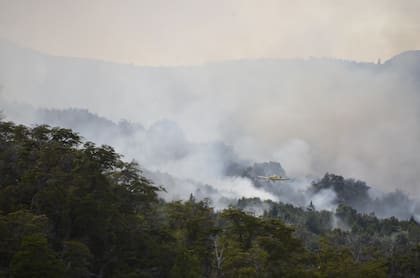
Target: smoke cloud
x,y
314,116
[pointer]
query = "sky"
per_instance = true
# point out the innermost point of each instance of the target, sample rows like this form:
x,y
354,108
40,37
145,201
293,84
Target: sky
x,y
186,32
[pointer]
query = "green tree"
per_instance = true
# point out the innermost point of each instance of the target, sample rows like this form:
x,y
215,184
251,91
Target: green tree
x,y
77,259
187,265
35,259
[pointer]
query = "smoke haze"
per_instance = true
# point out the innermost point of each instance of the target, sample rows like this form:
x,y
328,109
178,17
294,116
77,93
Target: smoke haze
x,y
181,32
187,125
355,119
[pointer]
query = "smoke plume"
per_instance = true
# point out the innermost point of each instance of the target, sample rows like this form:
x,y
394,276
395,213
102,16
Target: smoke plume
x,y
314,116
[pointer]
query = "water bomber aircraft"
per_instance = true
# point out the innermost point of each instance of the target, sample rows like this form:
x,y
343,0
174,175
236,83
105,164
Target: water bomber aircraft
x,y
273,178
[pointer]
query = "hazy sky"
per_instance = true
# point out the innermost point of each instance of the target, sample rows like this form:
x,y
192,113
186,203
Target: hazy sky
x,y
178,32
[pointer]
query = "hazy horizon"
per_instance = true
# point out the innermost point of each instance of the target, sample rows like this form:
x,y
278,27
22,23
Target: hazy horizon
x,y
186,32
205,63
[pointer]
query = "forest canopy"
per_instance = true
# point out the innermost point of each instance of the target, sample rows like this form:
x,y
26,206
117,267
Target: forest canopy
x,y
69,208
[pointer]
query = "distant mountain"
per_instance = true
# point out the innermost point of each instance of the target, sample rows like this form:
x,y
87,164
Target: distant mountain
x,y
406,59
407,64
60,82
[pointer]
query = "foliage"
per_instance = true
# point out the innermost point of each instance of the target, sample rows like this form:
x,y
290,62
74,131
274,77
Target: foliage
x,y
69,208
35,259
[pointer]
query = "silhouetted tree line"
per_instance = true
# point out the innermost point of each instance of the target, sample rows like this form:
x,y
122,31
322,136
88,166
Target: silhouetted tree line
x,y
72,209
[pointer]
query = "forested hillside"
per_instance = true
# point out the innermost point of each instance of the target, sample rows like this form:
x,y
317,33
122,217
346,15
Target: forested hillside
x,y
69,208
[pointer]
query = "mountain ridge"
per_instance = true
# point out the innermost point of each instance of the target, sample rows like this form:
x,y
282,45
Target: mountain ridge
x,y
5,44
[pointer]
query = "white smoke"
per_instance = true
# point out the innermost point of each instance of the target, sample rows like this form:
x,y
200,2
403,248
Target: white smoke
x,y
295,156
314,116
325,200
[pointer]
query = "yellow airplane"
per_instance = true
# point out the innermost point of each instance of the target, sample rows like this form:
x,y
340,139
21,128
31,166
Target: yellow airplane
x,y
273,178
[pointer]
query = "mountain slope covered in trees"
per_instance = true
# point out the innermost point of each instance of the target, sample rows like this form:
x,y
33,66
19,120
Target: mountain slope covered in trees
x,y
185,167
72,209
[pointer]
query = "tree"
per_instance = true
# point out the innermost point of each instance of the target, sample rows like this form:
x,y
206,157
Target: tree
x,y
193,226
186,265
35,259
86,194
77,259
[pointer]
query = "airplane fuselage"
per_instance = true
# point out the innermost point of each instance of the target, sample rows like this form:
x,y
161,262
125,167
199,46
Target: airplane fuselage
x,y
273,178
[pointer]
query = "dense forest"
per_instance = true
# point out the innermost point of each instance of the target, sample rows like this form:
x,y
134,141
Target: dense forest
x,y
69,208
